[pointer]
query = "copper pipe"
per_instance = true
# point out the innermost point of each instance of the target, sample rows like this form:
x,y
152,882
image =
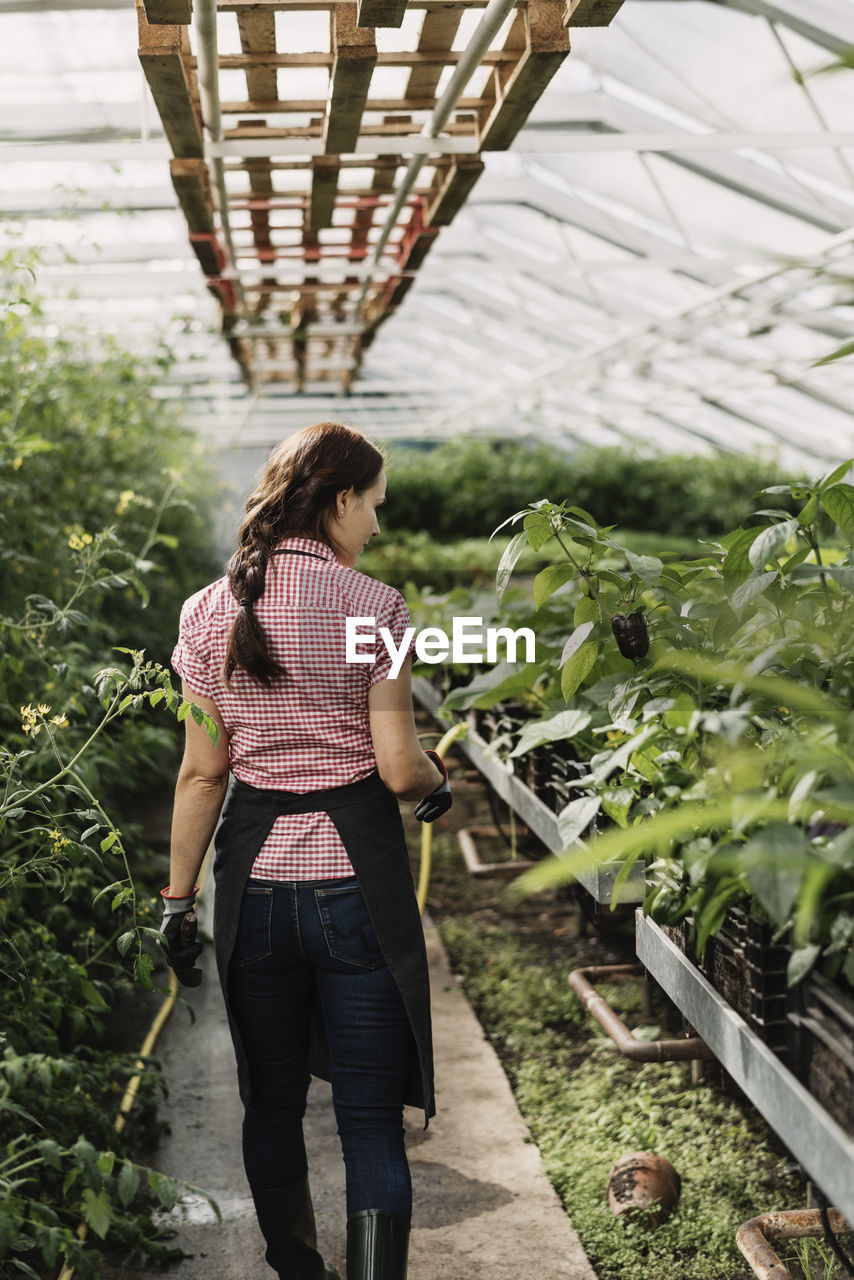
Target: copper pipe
x,y
791,1224
581,980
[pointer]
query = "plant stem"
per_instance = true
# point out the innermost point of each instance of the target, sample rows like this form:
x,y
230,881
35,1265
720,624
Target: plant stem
x,y
16,801
820,563
568,554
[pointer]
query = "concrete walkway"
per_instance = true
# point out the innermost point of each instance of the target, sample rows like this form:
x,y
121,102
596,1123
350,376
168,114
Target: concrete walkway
x,y
484,1209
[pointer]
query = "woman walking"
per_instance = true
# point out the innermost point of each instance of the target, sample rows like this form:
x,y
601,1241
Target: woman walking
x,y
317,933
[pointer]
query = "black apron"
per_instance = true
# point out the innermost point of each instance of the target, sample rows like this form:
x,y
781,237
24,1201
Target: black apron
x,y
367,818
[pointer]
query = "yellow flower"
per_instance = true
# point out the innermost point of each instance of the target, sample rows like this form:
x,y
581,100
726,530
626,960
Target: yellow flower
x,y
78,539
126,497
60,721
17,463
29,720
43,709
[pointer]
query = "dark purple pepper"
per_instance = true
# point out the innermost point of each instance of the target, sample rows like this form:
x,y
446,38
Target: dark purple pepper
x,y
631,634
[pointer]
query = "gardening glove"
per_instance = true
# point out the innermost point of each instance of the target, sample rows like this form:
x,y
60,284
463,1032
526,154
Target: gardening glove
x,y
438,801
179,928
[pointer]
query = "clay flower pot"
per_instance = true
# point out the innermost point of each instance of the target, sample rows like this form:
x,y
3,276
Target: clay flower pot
x,y
643,1182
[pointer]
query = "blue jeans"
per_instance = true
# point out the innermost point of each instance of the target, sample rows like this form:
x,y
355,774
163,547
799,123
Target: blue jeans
x,y
295,939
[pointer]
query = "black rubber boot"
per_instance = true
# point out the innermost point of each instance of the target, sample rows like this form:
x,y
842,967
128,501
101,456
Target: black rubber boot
x,y
286,1218
377,1245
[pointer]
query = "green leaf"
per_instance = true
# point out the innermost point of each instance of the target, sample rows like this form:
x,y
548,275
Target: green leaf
x,y
752,587
538,529
771,542
585,516
109,840
128,1182
125,942
49,1240
576,818
512,552
838,502
736,563
183,711
847,349
97,1211
841,573
656,833
648,568
835,476
816,878
774,861
800,962
586,610
575,641
110,888
777,689
713,913
50,1152
143,967
549,579
495,685
577,669
167,1190
25,1268
808,512
566,724
616,803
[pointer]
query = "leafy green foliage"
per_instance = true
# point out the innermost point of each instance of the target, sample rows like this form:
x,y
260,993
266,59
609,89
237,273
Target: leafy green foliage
x,y
725,758
102,535
458,489
586,1106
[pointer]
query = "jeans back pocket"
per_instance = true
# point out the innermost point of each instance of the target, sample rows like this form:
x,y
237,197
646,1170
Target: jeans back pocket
x,y
347,927
254,940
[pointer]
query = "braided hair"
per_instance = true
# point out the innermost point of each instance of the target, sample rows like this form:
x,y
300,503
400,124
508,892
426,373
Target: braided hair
x,y
294,498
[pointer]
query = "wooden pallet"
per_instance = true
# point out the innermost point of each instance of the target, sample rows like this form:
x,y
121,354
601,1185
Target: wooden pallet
x,y
310,180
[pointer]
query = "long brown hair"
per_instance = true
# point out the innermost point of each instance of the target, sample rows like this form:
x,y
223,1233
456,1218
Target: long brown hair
x,y
294,498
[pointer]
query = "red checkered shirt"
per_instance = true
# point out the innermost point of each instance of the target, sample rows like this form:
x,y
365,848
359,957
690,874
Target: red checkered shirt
x,y
311,729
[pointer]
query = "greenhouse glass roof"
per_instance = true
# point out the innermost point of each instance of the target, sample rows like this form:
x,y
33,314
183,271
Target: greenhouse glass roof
x,y
659,258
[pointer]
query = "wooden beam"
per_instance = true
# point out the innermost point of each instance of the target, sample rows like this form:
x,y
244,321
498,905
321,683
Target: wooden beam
x,y
258,39
437,34
191,181
313,6
541,30
381,13
175,12
355,53
324,188
417,59
459,128
382,183
415,242
299,106
452,190
162,52
209,252
592,13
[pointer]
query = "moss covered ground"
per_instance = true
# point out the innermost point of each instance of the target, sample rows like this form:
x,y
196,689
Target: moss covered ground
x,y
585,1104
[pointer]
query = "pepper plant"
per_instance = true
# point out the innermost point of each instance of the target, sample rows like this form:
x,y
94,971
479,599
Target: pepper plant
x,y
721,751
